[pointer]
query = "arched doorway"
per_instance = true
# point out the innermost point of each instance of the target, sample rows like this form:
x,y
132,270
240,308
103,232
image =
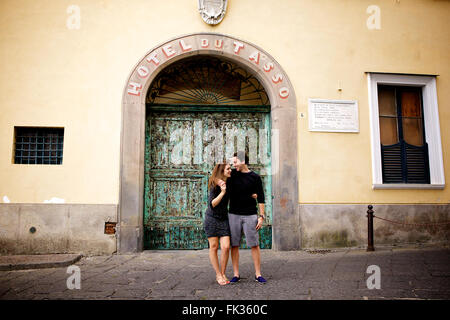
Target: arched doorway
x,y
199,111
283,140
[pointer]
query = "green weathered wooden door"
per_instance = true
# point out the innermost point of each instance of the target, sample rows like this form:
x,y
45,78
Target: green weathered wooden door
x,y
181,150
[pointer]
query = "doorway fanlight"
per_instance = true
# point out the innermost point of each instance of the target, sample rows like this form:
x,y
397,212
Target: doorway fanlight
x,y
206,81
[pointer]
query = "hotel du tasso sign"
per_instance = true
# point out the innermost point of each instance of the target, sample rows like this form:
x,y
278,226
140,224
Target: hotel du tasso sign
x,y
218,45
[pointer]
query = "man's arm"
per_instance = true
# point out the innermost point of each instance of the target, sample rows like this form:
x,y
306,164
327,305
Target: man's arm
x,y
261,216
260,191
261,205
261,209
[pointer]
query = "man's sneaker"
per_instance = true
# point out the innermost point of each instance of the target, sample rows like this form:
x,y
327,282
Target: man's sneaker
x,y
235,279
260,279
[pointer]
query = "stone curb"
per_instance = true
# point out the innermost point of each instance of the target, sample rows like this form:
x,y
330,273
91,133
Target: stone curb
x,y
23,262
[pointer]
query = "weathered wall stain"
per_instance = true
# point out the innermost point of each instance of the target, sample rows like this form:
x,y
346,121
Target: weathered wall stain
x,y
57,228
283,202
346,225
339,238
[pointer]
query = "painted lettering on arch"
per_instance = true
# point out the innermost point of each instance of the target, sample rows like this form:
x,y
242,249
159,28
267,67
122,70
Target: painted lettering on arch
x,y
229,46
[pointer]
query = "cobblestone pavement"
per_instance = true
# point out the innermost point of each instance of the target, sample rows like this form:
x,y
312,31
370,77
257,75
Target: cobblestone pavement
x,y
406,273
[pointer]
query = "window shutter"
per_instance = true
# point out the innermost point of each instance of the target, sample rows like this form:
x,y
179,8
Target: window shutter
x,y
417,164
391,157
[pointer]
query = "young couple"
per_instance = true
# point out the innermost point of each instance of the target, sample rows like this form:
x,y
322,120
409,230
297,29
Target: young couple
x,y
240,187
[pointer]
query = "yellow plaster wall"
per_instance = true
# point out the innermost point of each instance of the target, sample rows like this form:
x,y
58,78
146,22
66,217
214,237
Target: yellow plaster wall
x,y
53,76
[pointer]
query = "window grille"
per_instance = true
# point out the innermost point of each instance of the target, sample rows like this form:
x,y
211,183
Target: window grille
x,y
38,145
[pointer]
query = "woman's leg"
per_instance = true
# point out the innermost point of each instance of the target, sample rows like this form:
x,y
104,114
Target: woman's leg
x,y
225,253
213,247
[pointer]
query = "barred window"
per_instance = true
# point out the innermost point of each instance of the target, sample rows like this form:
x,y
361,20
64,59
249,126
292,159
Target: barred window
x,y
38,145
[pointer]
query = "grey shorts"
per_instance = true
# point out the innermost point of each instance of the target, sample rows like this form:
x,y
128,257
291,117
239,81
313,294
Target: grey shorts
x,y
246,223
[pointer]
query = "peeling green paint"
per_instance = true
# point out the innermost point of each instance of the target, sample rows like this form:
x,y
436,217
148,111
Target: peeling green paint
x,y
181,149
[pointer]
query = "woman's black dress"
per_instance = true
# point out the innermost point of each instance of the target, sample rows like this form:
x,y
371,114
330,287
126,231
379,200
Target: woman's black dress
x,y
216,219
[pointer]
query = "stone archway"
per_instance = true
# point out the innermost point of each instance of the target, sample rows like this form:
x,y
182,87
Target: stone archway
x,y
286,227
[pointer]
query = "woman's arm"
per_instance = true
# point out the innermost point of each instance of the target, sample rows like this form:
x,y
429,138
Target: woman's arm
x,y
216,200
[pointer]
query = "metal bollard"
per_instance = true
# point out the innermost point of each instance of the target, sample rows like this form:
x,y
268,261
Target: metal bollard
x,y
370,229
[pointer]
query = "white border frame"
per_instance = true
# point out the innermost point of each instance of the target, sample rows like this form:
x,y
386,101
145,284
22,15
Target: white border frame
x,y
432,128
353,103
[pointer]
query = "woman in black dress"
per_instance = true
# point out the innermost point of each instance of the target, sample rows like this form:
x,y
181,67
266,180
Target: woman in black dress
x,y
216,224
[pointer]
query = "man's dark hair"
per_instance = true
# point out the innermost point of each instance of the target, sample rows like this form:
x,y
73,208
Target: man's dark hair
x,y
241,155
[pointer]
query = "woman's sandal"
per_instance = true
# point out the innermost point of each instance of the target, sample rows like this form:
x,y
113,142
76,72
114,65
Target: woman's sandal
x,y
220,280
226,279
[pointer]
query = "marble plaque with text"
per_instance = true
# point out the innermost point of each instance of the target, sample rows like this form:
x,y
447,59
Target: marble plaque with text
x,y
333,115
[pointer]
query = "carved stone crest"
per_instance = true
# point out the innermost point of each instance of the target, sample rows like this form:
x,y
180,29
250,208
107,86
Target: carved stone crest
x,y
212,11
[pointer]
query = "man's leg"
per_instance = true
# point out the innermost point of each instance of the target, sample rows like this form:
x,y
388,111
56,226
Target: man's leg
x,y
256,255
236,230
235,260
252,237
